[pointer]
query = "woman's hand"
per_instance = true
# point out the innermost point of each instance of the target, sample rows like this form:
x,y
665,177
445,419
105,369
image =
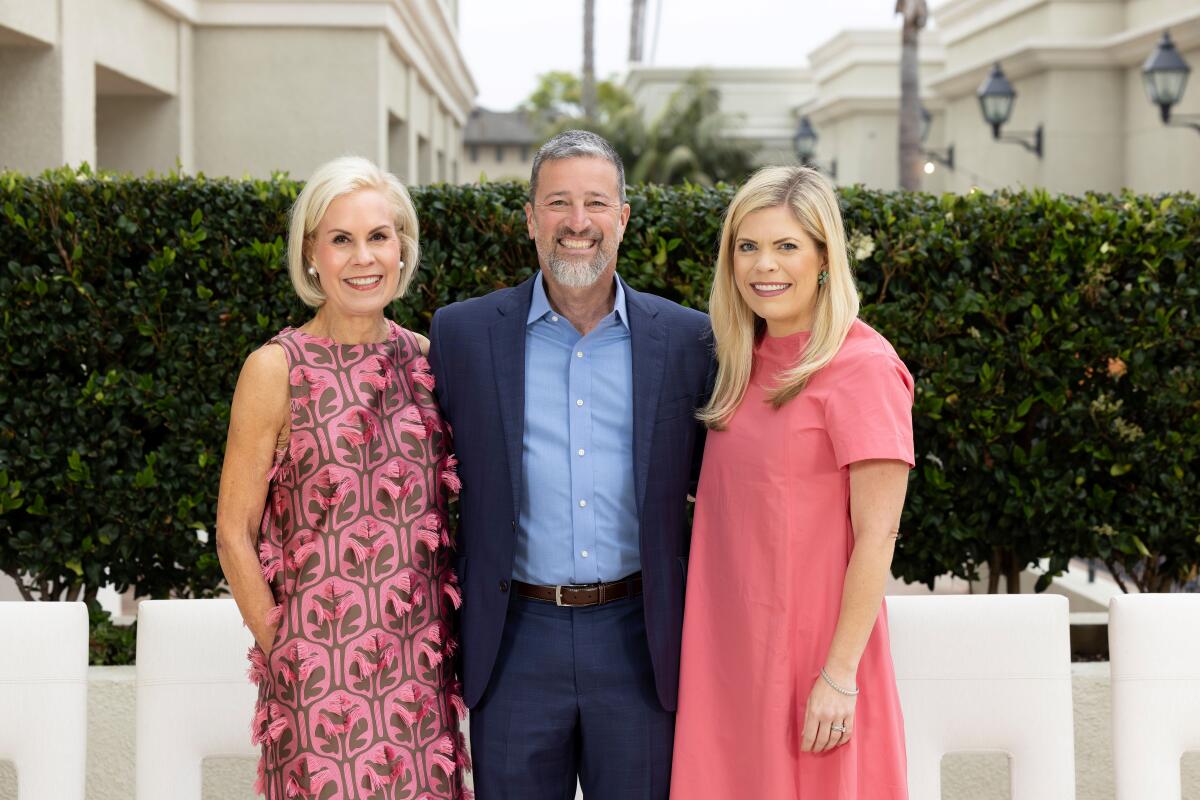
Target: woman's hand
x,y
827,708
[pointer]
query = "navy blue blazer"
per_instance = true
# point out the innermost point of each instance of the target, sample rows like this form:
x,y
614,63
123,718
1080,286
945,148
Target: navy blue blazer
x,y
478,359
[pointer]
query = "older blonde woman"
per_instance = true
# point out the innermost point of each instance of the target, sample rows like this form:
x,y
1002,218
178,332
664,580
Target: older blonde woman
x,y
787,688
331,522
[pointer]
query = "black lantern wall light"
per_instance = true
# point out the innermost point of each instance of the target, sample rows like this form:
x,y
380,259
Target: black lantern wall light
x,y
1165,75
805,143
996,96
943,157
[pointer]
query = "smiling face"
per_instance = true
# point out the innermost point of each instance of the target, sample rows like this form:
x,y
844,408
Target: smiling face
x,y
577,219
356,253
775,268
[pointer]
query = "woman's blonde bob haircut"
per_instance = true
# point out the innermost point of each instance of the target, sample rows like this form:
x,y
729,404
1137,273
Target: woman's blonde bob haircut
x,y
330,181
736,328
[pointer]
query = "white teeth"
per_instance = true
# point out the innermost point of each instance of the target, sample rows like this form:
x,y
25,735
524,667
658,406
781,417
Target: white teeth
x,y
363,281
576,244
770,287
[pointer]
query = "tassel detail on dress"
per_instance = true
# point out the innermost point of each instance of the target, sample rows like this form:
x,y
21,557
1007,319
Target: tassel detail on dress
x,y
403,595
304,550
428,531
317,778
332,486
442,753
431,645
316,385
450,477
420,373
395,763
379,380
410,421
375,657
451,589
259,671
331,604
367,530
339,717
269,560
398,479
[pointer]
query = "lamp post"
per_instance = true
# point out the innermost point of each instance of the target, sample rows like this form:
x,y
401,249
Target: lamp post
x,y
943,157
1165,75
805,142
996,96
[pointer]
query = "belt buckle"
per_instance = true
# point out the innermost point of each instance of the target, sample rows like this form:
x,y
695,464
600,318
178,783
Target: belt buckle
x,y
558,590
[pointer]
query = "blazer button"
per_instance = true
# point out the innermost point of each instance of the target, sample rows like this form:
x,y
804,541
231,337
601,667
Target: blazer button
x,y
514,524
503,586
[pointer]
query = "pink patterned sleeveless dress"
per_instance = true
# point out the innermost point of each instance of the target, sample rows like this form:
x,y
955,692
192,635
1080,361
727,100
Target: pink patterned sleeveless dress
x,y
358,697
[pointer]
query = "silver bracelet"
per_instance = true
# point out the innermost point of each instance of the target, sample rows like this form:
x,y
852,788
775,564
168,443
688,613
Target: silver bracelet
x,y
836,688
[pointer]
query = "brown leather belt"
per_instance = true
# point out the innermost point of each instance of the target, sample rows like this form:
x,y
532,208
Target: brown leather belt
x,y
586,594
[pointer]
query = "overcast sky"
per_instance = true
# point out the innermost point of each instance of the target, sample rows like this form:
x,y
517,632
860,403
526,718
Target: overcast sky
x,y
508,43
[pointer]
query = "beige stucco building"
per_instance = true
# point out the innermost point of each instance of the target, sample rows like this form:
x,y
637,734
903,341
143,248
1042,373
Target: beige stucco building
x,y
233,87
498,145
1075,66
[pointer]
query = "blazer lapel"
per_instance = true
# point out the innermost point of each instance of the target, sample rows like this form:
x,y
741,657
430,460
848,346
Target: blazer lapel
x,y
508,365
648,344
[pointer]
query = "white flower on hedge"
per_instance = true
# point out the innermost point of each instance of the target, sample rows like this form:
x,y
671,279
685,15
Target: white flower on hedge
x,y
1104,530
1127,431
862,245
1105,404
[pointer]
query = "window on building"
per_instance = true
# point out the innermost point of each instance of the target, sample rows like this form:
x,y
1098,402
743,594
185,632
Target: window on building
x,y
524,152
474,153
499,153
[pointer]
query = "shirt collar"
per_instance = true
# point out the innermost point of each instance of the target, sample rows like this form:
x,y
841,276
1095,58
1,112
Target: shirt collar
x,y
540,305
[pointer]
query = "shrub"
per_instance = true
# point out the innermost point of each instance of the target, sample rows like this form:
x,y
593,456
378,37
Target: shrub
x,y
1052,339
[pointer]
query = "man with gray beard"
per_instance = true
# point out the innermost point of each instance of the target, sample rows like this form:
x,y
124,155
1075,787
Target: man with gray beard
x,y
572,400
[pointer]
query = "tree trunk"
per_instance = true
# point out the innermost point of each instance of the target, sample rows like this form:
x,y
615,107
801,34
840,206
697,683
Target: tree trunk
x,y
588,98
995,567
914,12
637,21
1012,581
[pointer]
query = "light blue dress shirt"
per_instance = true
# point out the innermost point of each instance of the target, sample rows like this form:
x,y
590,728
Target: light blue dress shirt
x,y
578,520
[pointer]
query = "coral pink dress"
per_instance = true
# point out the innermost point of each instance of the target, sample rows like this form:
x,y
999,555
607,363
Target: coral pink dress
x,y
357,699
770,546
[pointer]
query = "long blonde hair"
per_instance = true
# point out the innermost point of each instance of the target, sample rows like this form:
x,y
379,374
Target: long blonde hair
x,y
815,205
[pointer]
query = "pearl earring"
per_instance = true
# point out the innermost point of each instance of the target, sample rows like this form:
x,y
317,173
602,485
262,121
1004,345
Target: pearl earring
x,y
402,263
312,271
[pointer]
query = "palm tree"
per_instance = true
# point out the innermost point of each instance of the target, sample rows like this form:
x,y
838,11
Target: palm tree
x,y
686,141
637,18
915,13
589,66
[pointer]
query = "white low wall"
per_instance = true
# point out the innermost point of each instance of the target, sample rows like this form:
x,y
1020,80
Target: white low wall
x,y
966,776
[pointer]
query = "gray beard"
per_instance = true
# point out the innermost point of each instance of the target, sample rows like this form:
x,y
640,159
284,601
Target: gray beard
x,y
577,275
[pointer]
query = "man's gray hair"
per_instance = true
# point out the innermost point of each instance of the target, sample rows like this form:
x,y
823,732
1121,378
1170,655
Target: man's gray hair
x,y
576,144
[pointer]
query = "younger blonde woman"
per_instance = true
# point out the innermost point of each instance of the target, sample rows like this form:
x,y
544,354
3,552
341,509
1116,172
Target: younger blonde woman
x,y
787,689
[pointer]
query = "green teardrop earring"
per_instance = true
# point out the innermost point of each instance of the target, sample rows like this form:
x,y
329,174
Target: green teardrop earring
x,y
822,276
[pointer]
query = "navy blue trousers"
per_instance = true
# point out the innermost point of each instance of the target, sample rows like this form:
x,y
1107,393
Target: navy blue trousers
x,y
572,696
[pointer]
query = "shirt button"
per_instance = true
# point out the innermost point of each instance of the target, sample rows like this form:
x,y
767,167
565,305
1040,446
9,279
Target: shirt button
x,y
583,503
579,354
579,451
579,402
503,586
554,319
584,553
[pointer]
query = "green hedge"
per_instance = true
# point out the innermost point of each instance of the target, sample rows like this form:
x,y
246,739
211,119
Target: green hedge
x,y
1053,340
